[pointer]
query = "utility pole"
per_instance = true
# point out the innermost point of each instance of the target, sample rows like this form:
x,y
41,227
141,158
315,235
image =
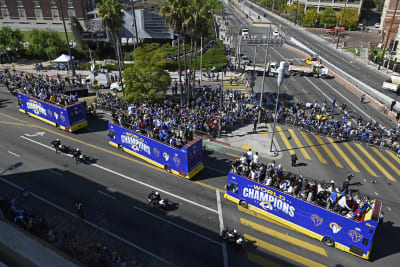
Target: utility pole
x,y
341,22
201,58
254,65
265,70
388,36
220,104
134,21
66,37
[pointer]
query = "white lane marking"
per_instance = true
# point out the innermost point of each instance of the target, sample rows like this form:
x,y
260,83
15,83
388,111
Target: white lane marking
x,y
12,153
131,179
365,180
211,168
105,194
221,228
56,173
178,226
376,193
389,208
90,223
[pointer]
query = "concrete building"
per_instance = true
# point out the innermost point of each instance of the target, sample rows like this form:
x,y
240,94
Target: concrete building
x,y
335,4
390,31
27,15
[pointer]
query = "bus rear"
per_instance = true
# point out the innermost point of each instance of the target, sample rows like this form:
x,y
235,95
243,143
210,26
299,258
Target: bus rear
x,y
331,228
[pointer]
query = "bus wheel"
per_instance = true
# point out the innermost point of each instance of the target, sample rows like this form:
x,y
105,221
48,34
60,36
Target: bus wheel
x,y
243,204
328,241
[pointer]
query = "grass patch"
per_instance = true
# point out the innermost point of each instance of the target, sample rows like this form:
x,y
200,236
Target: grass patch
x,y
353,50
26,36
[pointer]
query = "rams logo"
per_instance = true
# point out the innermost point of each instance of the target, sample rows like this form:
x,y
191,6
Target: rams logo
x,y
166,156
335,227
55,115
135,148
266,205
355,236
62,117
177,161
49,113
156,152
316,220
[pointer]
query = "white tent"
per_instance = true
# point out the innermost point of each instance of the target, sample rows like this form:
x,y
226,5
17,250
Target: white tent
x,y
62,59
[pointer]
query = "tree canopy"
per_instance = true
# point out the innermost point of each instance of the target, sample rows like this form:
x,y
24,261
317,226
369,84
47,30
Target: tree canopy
x,y
46,43
10,40
350,18
328,17
146,79
311,17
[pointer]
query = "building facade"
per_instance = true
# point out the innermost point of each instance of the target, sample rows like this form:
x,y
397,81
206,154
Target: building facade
x,y
390,20
335,4
27,15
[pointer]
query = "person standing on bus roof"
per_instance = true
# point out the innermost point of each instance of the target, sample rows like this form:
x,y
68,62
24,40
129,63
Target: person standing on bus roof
x,y
249,156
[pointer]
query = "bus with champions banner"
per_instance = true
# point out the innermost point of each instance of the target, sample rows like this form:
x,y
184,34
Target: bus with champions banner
x,y
186,161
333,229
68,118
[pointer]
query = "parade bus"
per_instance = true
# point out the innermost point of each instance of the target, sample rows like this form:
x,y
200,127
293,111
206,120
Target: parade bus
x,y
68,118
186,161
332,229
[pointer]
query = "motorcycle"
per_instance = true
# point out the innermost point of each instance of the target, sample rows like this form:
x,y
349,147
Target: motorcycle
x,y
162,204
229,235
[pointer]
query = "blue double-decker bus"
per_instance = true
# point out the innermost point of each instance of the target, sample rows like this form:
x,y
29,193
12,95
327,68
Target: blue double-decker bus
x,y
186,161
332,229
68,118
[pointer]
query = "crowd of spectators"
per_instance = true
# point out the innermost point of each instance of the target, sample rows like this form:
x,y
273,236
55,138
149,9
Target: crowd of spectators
x,y
326,195
73,243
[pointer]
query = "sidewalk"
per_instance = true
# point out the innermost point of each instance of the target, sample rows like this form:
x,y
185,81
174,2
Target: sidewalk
x,y
19,249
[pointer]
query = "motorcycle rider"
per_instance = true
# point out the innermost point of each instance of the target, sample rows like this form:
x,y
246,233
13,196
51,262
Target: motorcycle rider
x,y
155,198
77,153
79,209
56,144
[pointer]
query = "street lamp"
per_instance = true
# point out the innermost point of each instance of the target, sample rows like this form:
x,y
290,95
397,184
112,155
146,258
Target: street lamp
x,y
66,37
265,70
281,74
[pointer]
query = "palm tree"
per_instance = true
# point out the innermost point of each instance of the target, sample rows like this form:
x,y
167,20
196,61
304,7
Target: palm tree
x,y
112,15
173,12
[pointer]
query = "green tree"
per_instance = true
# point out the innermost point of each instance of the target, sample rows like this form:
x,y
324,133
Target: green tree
x,y
46,43
328,17
146,80
311,17
350,18
113,19
295,9
10,40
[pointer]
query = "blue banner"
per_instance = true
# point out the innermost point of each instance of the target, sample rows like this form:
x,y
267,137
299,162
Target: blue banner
x,y
70,118
186,162
303,216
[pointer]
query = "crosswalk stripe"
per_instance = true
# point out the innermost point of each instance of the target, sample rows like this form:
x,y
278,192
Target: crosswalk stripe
x,y
377,164
328,151
393,155
261,260
387,163
314,149
362,162
284,237
343,155
365,165
299,145
285,140
283,252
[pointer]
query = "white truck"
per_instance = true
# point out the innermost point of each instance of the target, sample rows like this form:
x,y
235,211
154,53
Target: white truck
x,y
392,84
271,69
301,68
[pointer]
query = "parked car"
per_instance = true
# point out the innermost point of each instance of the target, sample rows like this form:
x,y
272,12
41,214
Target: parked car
x,y
275,33
116,87
377,25
245,60
103,80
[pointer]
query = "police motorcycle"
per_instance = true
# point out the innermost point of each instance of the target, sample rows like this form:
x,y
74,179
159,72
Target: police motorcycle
x,y
56,144
79,157
154,199
232,236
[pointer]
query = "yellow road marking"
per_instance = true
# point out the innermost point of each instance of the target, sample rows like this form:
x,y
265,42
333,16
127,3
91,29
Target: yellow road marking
x,y
247,147
106,150
285,140
261,260
286,238
343,155
393,155
232,155
264,133
314,149
15,123
262,217
299,145
328,151
388,162
283,252
363,163
377,164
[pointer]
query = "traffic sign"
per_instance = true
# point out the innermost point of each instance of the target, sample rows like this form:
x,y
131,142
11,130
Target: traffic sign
x,y
95,82
96,87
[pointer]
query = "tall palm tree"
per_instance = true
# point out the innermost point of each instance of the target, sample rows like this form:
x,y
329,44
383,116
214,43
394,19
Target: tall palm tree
x,y
111,13
173,12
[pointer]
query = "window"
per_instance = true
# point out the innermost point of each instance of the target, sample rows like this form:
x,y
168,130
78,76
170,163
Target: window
x,y
38,13
54,13
20,4
3,4
71,13
70,4
36,4
21,13
53,4
4,13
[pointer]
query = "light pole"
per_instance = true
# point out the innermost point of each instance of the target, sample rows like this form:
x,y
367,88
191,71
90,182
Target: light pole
x,y
220,104
281,74
134,19
341,22
265,70
66,37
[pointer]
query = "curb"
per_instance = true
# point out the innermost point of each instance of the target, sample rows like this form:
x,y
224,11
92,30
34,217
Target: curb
x,y
220,142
